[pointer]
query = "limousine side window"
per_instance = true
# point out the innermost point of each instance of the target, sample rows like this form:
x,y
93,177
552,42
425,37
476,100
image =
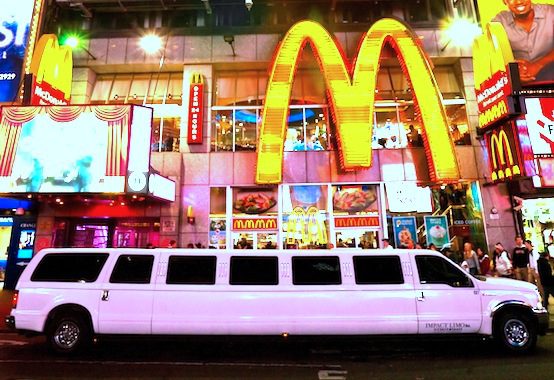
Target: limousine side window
x,y
70,267
435,270
254,270
378,270
199,270
132,269
318,270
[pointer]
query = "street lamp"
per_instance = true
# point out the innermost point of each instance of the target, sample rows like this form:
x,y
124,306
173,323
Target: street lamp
x,y
76,43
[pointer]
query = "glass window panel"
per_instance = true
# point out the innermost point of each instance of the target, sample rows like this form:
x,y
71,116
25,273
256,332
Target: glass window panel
x,y
175,89
139,86
447,82
225,90
316,270
245,129
254,201
218,201
457,118
378,270
314,87
120,89
160,88
247,86
70,267
262,87
198,270
297,94
267,240
411,124
294,139
222,130
317,128
254,271
132,269
387,132
218,227
101,92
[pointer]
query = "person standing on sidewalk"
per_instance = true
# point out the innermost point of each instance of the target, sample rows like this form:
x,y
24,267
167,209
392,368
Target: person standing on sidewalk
x,y
547,280
520,260
534,256
501,261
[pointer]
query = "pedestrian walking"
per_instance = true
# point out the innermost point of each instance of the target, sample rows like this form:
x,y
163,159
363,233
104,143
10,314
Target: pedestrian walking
x,y
484,261
533,276
501,261
547,280
520,260
471,259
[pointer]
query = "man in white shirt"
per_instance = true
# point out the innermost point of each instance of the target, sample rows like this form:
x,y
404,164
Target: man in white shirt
x,y
502,263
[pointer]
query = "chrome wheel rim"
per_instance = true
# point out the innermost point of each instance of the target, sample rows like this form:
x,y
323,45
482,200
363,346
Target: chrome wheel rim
x,y
516,333
67,335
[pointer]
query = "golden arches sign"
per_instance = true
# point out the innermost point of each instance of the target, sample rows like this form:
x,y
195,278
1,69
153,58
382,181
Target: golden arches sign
x,y
352,98
500,147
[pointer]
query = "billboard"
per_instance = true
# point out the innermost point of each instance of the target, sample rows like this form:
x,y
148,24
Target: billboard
x,y
70,149
15,27
405,231
437,230
540,124
52,69
352,97
528,28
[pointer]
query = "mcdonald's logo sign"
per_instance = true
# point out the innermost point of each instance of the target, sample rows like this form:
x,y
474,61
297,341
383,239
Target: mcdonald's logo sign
x,y
255,224
52,68
352,97
364,221
491,55
504,159
196,109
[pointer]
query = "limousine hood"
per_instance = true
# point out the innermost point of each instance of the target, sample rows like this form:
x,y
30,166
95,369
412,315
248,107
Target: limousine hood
x,y
499,283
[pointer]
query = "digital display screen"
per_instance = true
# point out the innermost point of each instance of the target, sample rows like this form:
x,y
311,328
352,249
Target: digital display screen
x,y
26,244
15,21
72,149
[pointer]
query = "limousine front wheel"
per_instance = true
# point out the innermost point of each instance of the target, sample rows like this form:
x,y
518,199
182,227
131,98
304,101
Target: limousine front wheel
x,y
68,334
516,332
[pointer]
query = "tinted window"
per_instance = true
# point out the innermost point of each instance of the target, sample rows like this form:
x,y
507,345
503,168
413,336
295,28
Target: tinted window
x,y
132,269
254,271
191,270
316,270
70,267
435,270
378,270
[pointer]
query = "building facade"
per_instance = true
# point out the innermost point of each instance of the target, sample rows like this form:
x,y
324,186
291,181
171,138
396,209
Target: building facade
x,y
208,84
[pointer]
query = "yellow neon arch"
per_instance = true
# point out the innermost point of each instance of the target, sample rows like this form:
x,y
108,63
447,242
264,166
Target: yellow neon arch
x,y
352,100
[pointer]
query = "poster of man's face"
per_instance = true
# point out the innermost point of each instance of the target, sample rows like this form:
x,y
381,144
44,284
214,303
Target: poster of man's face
x,y
529,27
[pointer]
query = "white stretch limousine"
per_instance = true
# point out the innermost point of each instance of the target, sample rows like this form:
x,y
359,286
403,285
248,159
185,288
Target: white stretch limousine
x,y
70,295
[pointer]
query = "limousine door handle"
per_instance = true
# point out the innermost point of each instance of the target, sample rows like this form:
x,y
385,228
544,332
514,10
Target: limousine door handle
x,y
106,295
421,298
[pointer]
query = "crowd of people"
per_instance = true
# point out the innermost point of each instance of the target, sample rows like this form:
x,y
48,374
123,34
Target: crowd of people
x,y
523,263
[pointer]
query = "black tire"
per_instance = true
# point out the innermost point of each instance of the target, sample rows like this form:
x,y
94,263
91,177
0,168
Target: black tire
x,y
68,334
516,333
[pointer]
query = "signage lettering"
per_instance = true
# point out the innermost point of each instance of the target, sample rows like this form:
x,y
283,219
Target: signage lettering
x,y
255,224
352,98
364,221
196,106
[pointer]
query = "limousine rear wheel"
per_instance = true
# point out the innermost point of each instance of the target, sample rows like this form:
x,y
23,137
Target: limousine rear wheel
x,y
516,332
68,334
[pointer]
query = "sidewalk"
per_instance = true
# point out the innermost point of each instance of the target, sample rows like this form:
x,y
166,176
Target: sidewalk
x,y
6,306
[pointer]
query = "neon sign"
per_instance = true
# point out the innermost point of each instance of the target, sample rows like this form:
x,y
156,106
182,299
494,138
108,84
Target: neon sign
x,y
196,108
352,97
52,67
